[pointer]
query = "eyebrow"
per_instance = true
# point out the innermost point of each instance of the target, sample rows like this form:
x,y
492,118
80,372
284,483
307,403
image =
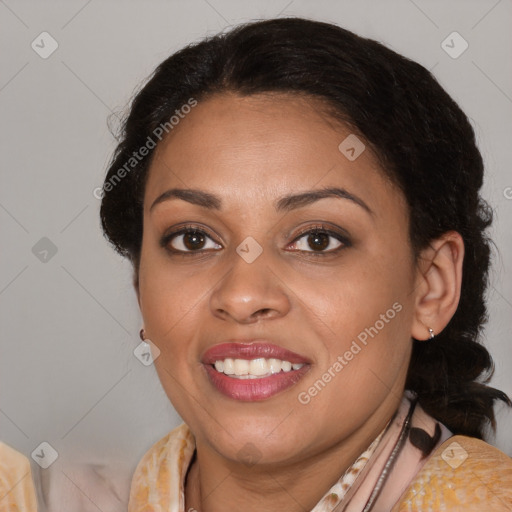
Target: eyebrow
x,y
284,204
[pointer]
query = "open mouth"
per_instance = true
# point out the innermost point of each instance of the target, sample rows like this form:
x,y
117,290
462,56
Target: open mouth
x,y
254,368
253,371
251,387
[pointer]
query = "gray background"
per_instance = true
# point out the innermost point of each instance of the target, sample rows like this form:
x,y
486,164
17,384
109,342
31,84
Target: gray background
x,y
69,324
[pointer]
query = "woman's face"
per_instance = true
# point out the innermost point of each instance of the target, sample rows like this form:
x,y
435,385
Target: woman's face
x,y
268,268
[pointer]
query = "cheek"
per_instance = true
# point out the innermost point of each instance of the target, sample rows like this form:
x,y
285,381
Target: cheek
x,y
354,296
172,305
363,314
171,302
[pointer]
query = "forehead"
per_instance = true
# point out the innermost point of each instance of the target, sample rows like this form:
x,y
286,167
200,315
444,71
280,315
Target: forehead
x,y
257,148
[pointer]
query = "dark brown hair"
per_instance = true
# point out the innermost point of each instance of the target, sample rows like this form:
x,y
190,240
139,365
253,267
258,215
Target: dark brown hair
x,y
423,139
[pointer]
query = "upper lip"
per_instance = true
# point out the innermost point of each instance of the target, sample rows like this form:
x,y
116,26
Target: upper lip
x,y
250,349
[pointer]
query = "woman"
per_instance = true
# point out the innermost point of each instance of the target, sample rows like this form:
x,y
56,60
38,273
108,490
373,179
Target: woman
x,y
301,208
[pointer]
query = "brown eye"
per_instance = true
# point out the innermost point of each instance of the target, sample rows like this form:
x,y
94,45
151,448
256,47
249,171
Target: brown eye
x,y
318,241
193,240
188,241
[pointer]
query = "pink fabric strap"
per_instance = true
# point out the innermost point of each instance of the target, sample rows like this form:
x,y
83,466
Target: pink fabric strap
x,y
410,438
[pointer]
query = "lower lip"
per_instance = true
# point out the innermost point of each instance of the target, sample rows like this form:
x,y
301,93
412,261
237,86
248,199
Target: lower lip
x,y
252,390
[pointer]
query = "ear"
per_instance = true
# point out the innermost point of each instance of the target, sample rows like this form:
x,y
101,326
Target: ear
x,y
438,284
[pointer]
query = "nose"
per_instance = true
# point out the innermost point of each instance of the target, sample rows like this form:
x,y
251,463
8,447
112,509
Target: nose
x,y
249,293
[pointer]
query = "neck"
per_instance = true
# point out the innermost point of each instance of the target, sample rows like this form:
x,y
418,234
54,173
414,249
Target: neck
x,y
215,484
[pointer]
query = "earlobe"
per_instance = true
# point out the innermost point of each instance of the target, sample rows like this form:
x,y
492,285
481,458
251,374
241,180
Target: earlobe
x,y
438,285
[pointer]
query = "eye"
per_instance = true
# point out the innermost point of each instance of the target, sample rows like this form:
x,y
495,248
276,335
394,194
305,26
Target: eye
x,y
189,239
320,240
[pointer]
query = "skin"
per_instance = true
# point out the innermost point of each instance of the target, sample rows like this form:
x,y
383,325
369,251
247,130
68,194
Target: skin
x,y
250,152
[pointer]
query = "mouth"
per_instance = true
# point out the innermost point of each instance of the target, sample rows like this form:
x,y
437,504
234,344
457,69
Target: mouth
x,y
253,371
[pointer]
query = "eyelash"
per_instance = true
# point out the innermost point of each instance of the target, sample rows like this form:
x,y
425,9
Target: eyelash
x,y
343,239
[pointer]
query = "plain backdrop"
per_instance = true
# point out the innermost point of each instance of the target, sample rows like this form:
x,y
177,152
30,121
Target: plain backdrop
x,y
69,317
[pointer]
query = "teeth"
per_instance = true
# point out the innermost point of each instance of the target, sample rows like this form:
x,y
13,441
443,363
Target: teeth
x,y
286,366
241,366
258,367
229,368
274,365
254,368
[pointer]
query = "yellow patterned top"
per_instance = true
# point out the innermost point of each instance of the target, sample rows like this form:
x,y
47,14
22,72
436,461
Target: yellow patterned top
x,y
463,474
17,492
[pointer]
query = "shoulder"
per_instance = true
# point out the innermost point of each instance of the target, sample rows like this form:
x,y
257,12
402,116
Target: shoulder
x,y
464,473
16,485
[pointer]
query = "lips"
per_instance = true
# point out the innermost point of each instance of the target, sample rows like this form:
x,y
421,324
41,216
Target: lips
x,y
251,350
254,389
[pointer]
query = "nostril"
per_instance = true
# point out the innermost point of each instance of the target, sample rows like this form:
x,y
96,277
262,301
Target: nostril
x,y
262,312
